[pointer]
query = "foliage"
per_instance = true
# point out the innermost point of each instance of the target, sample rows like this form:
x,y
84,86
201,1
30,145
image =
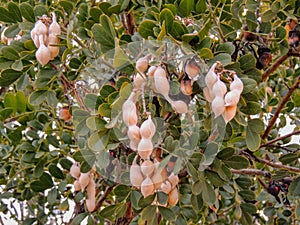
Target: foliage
x,y
222,181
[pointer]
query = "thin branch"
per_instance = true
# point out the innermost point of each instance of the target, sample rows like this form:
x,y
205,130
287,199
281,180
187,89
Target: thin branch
x,y
263,183
283,148
279,108
215,21
103,197
252,172
281,138
275,65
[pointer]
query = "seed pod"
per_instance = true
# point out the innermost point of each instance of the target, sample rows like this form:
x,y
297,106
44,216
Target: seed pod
x,y
54,50
179,106
211,77
191,68
54,28
75,171
164,173
174,179
208,95
151,71
237,84
173,197
219,88
148,128
138,81
42,54
90,204
157,178
84,180
129,113
147,187
218,106
186,85
91,188
229,113
161,82
142,64
133,144
145,148
35,38
64,114
134,133
166,187
136,177
232,98
77,186
40,28
147,167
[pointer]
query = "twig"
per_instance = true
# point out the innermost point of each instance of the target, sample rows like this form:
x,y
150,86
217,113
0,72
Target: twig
x,y
103,197
215,21
283,147
252,172
281,138
262,183
279,108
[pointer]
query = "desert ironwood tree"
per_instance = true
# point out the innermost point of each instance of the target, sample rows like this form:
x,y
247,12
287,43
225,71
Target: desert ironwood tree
x,y
149,112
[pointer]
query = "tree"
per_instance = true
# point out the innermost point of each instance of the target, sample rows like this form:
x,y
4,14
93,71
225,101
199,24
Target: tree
x,y
78,100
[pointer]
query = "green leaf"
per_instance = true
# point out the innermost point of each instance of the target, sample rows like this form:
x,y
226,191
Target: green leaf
x,y
167,16
79,218
249,208
122,191
38,97
14,10
67,5
247,195
55,171
145,28
289,158
226,47
27,11
166,213
214,178
267,16
6,16
208,194
256,125
29,221
201,6
51,98
40,10
10,101
226,153
252,108
52,194
224,58
104,110
104,33
9,76
44,182
65,163
12,31
108,211
17,65
9,53
121,60
96,123
149,212
237,162
98,142
21,101
252,140
95,13
206,53
249,85
247,61
186,7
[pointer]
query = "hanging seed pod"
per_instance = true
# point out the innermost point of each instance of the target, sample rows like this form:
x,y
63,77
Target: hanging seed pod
x,y
211,77
75,171
148,128
179,106
186,85
77,186
40,28
208,95
173,197
142,64
91,188
164,173
145,148
136,177
218,106
52,41
192,68
35,38
157,178
147,168
134,133
219,88
151,71
84,180
147,187
174,179
161,82
229,113
166,187
130,117
42,54
232,98
133,144
90,204
54,28
138,81
237,84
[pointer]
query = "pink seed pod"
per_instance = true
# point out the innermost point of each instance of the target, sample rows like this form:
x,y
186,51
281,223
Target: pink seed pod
x,y
166,187
219,88
90,204
232,98
211,77
147,187
151,71
142,64
161,82
134,133
145,148
218,106
75,171
42,54
84,180
135,174
173,197
179,106
54,28
208,95
91,188
192,68
77,186
174,179
148,128
40,28
229,113
139,81
130,117
54,50
237,84
147,167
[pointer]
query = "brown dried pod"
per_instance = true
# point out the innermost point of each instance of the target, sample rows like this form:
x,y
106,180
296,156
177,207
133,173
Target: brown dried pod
x,y
166,187
147,167
84,180
192,68
77,186
75,171
232,98
211,77
53,41
90,204
229,113
148,128
186,85
173,197
219,88
218,106
145,148
161,82
135,174
142,64
147,187
64,114
174,179
179,106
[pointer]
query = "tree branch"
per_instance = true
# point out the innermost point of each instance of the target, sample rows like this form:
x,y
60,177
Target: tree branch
x,y
103,197
252,172
216,22
279,108
281,138
275,65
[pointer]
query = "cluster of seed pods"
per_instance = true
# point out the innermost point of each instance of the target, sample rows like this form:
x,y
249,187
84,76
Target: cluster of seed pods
x,y
222,102
45,37
85,181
